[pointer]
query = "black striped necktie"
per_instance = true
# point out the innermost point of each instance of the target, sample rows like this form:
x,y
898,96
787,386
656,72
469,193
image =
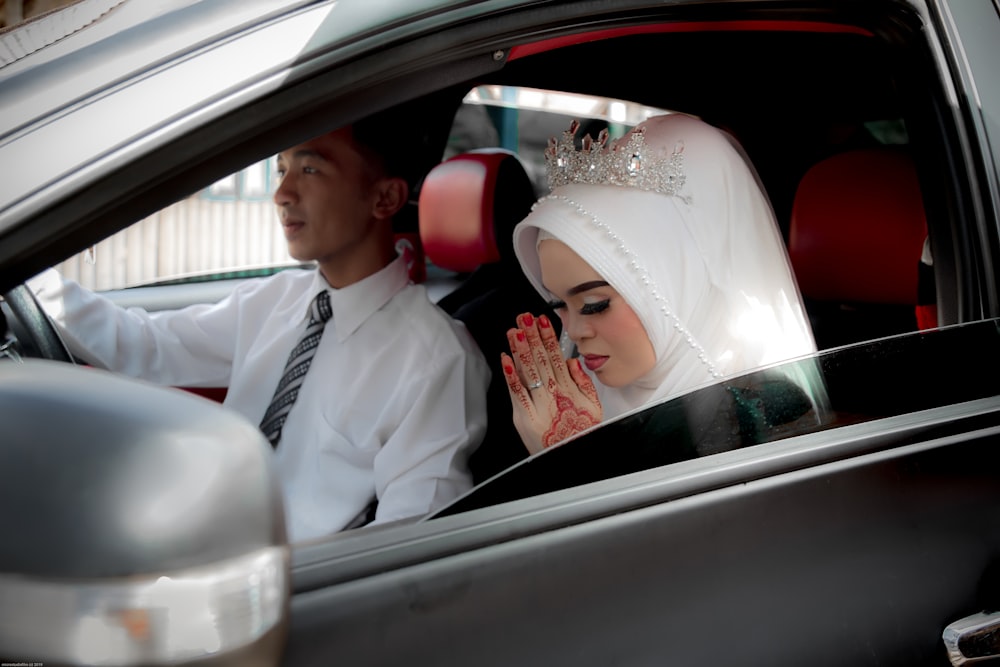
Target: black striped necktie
x,y
295,369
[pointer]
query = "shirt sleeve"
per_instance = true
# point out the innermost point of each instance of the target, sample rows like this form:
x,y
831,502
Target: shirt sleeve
x,y
424,463
193,346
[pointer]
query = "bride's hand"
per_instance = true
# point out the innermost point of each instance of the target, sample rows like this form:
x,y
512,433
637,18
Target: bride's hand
x,y
552,398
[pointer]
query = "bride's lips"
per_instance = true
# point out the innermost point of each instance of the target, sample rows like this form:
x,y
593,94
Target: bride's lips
x,y
594,361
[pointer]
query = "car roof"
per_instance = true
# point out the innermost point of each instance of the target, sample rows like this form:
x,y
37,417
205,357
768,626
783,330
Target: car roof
x,y
133,41
78,48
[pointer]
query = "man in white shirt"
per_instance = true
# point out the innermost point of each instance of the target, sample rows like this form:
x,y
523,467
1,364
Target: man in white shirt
x,y
392,403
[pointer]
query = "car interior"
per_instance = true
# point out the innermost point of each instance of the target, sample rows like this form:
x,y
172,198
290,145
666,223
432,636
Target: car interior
x,y
829,135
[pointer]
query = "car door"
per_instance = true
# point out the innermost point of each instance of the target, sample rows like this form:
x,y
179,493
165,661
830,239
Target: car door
x,y
848,529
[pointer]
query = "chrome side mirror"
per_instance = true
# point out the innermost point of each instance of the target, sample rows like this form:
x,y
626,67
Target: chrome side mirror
x,y
140,525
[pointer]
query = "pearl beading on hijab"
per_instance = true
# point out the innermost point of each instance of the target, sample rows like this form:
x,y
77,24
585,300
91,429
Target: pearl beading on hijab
x,y
643,275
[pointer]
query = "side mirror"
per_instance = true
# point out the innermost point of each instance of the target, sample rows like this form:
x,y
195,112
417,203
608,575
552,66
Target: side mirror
x,y
139,524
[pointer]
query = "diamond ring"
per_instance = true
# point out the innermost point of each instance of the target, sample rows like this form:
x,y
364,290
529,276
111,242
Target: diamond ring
x,y
535,385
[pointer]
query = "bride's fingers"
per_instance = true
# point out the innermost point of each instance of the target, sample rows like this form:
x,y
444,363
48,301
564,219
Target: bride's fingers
x,y
583,381
519,397
529,325
525,362
525,416
553,352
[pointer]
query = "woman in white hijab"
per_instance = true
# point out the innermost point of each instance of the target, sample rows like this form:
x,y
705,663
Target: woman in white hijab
x,y
661,255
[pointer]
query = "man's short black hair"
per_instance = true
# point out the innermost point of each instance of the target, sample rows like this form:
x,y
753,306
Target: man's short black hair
x,y
402,139
383,148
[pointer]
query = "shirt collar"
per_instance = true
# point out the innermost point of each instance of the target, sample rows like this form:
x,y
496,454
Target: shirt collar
x,y
354,304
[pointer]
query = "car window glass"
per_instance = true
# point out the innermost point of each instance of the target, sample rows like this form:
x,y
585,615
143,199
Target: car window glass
x,y
874,380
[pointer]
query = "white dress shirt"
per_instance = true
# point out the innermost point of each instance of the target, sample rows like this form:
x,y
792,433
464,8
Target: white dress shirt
x,y
393,403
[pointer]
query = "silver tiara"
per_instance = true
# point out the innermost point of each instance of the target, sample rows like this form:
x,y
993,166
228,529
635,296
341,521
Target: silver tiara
x,y
634,165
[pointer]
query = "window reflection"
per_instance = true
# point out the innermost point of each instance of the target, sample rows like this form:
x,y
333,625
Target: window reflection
x,y
861,383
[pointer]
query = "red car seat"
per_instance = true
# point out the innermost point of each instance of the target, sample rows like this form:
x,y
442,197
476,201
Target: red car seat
x,y
468,208
856,235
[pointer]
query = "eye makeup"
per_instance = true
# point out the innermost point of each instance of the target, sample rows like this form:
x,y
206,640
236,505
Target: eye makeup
x,y
596,307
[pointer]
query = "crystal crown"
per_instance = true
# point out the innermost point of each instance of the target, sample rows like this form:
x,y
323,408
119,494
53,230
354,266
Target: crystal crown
x,y
633,165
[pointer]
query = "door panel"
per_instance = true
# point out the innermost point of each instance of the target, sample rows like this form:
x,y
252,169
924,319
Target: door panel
x,y
861,561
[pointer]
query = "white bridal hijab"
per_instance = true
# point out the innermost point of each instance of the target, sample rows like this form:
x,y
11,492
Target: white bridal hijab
x,y
674,218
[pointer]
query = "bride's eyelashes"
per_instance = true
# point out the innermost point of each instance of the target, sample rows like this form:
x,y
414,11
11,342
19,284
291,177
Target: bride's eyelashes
x,y
586,309
596,307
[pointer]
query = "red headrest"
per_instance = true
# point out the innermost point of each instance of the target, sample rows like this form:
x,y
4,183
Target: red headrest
x,y
468,207
858,228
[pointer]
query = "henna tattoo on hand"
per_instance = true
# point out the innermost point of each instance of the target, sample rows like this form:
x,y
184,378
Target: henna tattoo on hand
x,y
515,385
569,420
584,383
551,346
527,361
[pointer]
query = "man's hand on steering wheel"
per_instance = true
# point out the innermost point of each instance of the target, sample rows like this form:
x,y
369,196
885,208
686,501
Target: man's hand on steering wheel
x,y
35,325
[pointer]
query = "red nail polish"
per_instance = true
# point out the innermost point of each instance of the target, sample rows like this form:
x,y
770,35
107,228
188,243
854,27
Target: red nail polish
x,y
528,320
543,322
520,336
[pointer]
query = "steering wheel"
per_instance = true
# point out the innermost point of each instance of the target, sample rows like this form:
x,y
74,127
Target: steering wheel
x,y
36,326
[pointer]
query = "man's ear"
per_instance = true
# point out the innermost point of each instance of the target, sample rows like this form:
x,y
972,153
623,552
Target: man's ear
x,y
391,194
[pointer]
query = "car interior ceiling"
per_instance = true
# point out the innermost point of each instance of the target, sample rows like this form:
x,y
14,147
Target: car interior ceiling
x,y
780,108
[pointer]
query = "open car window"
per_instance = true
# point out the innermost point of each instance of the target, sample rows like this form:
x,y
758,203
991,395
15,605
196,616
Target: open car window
x,y
198,248
227,232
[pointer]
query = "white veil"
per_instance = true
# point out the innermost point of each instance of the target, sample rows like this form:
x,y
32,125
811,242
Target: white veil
x,y
705,268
